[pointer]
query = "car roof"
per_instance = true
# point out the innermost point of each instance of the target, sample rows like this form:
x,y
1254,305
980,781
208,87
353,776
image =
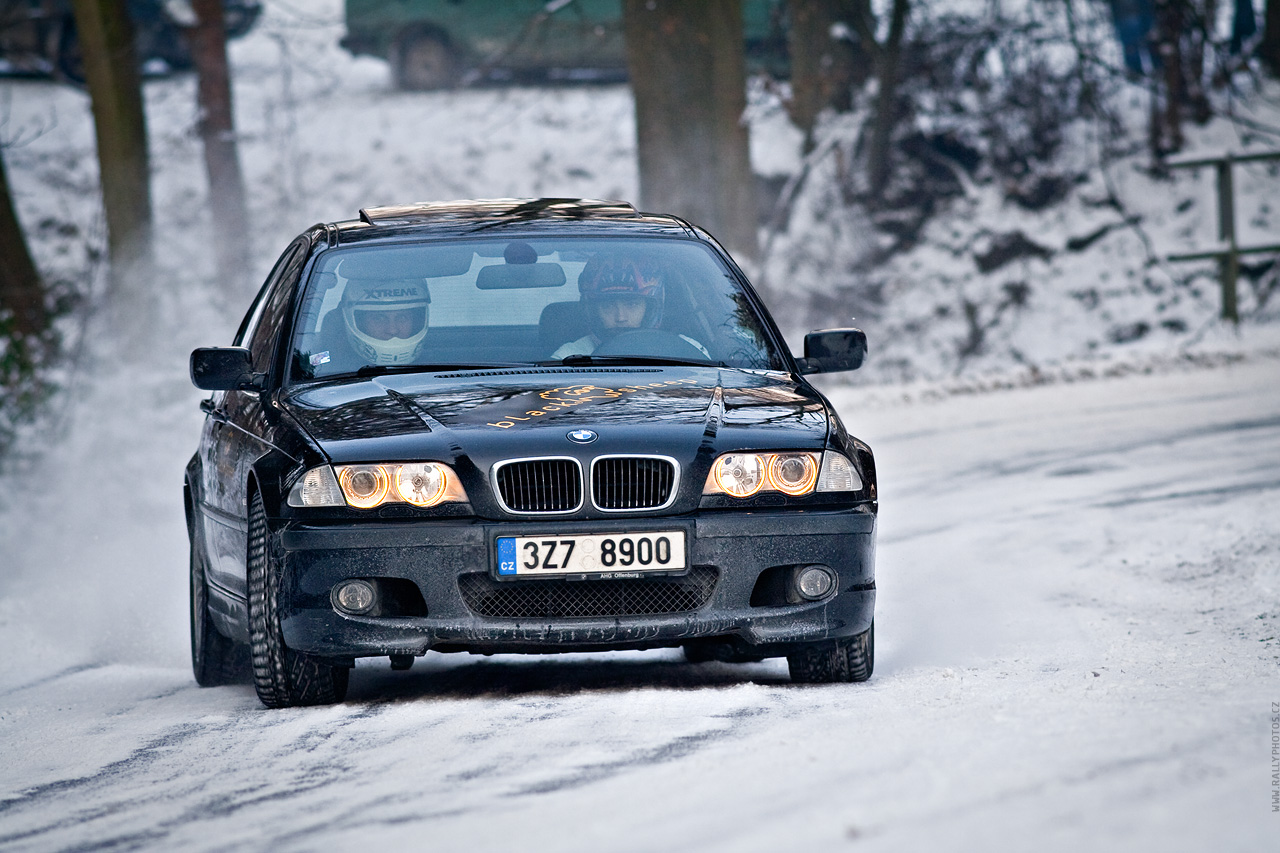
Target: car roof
x,y
477,217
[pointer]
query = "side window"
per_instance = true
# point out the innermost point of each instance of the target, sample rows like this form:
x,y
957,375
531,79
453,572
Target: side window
x,y
264,329
251,317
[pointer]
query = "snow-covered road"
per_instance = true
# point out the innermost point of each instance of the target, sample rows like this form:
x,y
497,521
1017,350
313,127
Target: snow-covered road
x,y
1078,621
1078,637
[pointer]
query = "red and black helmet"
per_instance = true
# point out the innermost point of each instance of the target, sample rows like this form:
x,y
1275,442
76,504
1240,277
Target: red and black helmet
x,y
613,277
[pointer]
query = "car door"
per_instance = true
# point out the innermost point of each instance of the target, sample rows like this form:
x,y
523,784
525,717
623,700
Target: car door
x,y
238,429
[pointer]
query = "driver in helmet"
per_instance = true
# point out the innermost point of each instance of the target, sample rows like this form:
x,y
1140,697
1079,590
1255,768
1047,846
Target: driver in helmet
x,y
618,295
386,320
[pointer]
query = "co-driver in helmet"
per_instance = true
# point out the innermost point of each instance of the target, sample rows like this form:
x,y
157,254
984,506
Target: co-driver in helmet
x,y
618,295
386,320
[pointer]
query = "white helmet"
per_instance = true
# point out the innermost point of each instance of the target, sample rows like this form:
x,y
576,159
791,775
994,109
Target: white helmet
x,y
386,319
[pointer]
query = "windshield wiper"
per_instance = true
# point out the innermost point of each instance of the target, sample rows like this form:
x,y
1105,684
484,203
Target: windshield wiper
x,y
593,360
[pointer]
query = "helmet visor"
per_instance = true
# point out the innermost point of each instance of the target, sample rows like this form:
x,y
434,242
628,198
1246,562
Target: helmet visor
x,y
385,323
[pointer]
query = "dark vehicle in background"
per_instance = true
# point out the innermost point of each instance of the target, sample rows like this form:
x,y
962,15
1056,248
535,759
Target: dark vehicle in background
x,y
38,37
521,426
435,44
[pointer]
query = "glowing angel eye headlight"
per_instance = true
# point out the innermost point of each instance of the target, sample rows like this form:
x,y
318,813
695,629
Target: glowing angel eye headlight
x,y
364,486
738,474
793,473
421,484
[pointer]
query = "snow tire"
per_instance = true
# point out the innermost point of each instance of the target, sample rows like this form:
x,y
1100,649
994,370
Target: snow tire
x,y
850,659
283,678
215,660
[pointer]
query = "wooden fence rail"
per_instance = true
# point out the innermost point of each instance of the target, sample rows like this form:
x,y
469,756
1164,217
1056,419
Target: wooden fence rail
x,y
1228,251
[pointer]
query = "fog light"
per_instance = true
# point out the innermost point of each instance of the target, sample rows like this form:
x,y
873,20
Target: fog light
x,y
356,597
814,582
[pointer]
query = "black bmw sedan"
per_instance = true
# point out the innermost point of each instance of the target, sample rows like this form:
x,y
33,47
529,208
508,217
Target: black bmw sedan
x,y
521,426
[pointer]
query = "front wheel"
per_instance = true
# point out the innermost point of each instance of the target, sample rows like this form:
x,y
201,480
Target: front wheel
x,y
850,659
283,678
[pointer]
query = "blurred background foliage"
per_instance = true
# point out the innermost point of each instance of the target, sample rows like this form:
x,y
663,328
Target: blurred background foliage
x,y
938,95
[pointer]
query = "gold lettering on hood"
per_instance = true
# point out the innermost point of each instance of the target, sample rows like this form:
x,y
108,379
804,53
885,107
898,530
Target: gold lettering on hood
x,y
558,399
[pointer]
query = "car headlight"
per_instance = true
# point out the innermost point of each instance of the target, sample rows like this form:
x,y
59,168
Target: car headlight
x,y
794,473
738,474
421,484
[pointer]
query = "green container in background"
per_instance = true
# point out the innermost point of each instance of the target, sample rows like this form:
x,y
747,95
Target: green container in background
x,y
434,44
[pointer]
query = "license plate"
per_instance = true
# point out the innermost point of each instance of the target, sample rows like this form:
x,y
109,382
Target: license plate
x,y
606,553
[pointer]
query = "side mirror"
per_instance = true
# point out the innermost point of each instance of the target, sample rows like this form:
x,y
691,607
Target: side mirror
x,y
833,350
223,369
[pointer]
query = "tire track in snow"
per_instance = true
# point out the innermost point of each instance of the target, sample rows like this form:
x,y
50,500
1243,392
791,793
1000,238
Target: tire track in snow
x,y
67,672
672,750
1221,491
139,762
323,769
160,773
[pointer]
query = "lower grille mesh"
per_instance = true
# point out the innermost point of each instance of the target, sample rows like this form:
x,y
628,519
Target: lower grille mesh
x,y
581,599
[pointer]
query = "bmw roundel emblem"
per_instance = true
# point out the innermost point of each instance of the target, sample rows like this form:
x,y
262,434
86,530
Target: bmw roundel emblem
x,y
582,436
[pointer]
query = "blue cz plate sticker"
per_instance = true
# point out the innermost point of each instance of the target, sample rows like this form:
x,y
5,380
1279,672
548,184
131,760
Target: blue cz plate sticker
x,y
507,555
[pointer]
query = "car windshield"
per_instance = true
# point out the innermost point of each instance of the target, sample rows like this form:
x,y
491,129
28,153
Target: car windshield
x,y
500,302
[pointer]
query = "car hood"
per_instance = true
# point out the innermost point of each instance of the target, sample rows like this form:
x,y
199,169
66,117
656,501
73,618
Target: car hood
x,y
486,415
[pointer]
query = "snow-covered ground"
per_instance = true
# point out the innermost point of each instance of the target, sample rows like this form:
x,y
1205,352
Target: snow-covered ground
x,y
1079,567
1078,638
323,134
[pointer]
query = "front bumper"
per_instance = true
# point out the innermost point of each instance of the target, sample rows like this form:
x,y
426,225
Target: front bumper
x,y
742,547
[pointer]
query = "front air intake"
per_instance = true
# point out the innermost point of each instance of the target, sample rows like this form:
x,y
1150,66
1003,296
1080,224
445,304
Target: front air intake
x,y
562,599
630,483
539,486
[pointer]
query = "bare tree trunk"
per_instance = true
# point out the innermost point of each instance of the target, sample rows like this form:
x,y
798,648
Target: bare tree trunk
x,y
208,40
688,74
21,289
888,62
115,88
1269,47
1167,136
824,69
1198,32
